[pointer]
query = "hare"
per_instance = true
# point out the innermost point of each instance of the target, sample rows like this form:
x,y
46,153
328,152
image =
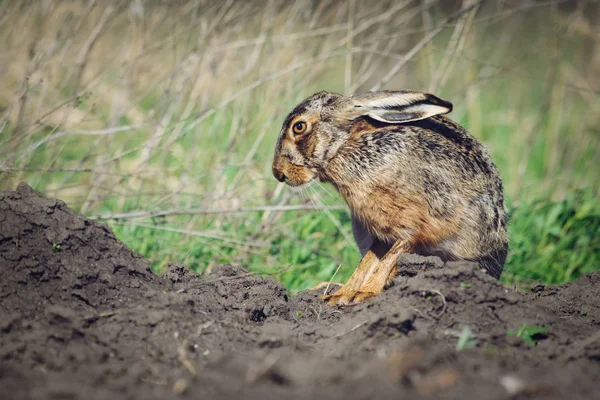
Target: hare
x,y
414,180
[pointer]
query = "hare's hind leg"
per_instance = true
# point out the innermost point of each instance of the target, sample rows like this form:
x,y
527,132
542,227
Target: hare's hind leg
x,y
367,266
385,269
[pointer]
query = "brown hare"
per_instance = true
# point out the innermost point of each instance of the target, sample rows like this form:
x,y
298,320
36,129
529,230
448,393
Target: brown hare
x,y
415,181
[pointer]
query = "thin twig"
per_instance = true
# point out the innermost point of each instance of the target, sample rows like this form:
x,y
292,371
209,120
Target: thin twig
x,y
21,113
89,45
379,18
581,345
46,170
349,35
454,49
422,314
204,235
331,279
351,330
445,304
98,132
203,211
182,354
284,38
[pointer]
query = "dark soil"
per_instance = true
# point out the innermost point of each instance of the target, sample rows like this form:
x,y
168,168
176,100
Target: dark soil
x,y
83,317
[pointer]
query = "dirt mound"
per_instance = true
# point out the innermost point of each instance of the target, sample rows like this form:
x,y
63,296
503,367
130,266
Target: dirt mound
x,y
83,317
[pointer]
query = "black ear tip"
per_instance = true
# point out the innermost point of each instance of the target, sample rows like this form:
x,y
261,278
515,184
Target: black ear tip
x,y
440,102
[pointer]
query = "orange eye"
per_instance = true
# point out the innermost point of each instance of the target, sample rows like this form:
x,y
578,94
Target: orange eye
x,y
299,128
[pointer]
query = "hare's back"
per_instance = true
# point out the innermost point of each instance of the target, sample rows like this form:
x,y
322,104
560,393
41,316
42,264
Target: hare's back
x,y
453,169
441,152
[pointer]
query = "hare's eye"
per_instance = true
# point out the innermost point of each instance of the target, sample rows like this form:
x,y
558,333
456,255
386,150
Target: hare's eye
x,y
299,128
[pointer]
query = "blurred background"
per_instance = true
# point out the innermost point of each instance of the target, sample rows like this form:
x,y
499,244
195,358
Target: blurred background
x,y
160,118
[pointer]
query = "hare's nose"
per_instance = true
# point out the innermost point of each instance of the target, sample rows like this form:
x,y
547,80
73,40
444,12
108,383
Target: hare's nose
x,y
280,176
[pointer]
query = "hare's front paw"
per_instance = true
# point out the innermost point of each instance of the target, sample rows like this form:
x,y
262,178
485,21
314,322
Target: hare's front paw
x,y
361,295
346,297
341,298
350,295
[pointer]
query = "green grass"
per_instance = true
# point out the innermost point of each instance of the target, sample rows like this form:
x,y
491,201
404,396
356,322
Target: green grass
x,y
550,242
206,100
307,249
465,341
554,241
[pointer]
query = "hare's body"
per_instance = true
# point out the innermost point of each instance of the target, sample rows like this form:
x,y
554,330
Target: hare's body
x,y
414,181
419,186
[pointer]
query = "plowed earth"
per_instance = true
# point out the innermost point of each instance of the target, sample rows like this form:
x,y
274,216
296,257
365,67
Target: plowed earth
x,y
83,317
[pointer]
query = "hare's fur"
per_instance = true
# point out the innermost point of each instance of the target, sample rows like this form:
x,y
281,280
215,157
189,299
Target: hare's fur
x,y
406,172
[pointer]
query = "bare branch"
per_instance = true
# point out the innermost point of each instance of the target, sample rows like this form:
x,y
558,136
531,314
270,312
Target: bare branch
x,y
428,38
99,132
89,44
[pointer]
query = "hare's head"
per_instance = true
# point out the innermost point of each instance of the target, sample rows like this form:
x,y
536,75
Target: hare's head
x,y
316,129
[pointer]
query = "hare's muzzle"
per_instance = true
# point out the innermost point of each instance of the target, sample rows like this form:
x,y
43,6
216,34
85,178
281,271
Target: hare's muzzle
x,y
278,169
291,174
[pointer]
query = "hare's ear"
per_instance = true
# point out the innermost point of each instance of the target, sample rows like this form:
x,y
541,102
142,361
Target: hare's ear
x,y
396,107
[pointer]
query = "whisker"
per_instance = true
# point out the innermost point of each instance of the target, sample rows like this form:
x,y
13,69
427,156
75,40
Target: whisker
x,y
312,200
319,198
325,189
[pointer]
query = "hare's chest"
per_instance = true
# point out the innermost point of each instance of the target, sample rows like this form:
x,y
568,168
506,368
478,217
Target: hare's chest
x,y
384,213
392,214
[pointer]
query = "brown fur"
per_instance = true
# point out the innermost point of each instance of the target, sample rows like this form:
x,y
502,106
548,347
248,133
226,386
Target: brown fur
x,y
363,126
407,173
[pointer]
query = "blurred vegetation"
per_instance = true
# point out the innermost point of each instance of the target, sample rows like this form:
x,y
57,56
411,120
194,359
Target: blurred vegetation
x,y
173,108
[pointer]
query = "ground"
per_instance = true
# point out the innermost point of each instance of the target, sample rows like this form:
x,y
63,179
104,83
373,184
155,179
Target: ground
x,y
84,317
